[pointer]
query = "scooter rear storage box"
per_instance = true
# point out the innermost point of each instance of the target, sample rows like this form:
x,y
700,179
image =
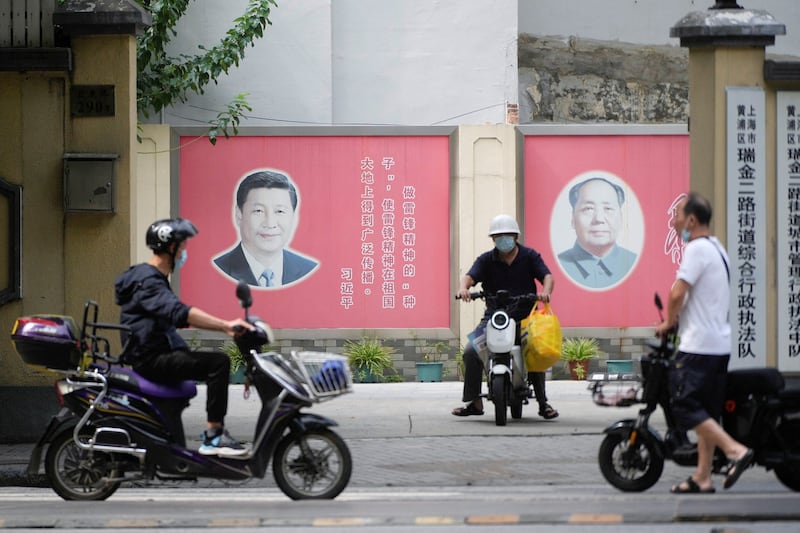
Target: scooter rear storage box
x,y
47,340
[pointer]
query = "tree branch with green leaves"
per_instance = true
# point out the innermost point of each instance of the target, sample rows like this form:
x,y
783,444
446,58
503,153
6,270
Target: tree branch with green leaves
x,y
163,80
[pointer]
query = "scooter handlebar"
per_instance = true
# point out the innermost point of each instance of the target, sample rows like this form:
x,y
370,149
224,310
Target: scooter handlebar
x,y
472,295
482,294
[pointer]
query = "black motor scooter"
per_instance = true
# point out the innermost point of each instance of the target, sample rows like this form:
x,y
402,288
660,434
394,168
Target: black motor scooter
x,y
116,426
761,410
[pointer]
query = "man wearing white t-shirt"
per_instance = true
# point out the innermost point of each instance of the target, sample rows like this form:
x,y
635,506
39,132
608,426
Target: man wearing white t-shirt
x,y
701,296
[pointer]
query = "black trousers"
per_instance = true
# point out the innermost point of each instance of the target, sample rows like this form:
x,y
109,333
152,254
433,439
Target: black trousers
x,y
211,367
473,376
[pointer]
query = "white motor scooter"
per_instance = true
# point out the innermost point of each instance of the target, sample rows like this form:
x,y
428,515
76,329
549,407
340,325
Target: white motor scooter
x,y
502,356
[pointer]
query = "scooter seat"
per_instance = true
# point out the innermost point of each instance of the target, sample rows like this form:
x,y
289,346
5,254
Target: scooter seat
x,y
791,391
130,378
754,381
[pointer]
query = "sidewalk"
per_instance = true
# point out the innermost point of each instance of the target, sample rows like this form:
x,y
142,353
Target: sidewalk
x,y
375,415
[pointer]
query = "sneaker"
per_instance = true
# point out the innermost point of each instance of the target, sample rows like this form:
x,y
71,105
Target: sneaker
x,y
221,444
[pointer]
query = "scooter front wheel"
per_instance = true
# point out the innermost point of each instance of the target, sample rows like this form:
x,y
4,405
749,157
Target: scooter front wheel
x,y
630,468
315,465
499,397
77,474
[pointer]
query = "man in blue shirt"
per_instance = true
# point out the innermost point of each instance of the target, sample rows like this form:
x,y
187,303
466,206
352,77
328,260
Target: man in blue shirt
x,y
595,260
515,268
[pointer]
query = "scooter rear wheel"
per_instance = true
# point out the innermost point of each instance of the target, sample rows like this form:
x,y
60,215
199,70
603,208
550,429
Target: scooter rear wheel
x,y
315,465
499,386
788,472
77,474
630,470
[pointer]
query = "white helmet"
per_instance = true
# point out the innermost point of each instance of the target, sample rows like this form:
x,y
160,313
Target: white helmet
x,y
503,224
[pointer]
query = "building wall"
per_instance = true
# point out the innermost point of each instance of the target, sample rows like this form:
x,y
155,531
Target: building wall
x,y
644,22
67,258
325,62
455,62
586,81
32,104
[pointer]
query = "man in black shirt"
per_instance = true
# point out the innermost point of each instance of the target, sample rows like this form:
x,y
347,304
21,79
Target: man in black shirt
x,y
515,268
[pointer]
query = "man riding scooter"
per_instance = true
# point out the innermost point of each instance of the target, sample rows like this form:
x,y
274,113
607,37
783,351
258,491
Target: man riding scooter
x,y
516,268
153,313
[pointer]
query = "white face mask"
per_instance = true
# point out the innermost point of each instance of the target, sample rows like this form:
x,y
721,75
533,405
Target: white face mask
x,y
181,260
505,243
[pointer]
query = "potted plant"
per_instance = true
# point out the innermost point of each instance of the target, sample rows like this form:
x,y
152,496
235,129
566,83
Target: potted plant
x,y
577,352
431,366
237,361
368,358
230,349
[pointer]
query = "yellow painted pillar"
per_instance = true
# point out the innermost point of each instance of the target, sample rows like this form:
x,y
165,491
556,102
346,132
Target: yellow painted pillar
x,y
727,49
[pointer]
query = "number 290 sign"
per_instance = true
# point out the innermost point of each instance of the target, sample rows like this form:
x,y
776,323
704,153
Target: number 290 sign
x,y
92,101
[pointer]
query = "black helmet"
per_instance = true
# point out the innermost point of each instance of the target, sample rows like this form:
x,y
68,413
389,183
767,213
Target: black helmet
x,y
162,233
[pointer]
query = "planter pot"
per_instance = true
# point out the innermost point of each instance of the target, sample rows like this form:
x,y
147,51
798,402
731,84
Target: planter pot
x,y
429,371
238,376
578,375
364,375
620,365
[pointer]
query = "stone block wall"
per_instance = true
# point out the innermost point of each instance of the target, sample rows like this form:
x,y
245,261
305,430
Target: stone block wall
x,y
410,351
588,81
407,352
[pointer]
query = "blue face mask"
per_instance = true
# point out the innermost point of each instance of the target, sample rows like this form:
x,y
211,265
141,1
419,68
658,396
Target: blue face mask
x,y
505,243
181,260
685,235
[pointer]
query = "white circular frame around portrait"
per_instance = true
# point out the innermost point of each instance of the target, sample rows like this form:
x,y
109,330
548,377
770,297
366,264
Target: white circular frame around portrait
x,y
631,236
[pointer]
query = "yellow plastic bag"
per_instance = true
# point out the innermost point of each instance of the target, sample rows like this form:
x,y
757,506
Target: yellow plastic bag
x,y
541,338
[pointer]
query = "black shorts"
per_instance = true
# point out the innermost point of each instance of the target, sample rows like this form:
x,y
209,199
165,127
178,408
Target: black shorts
x,y
697,388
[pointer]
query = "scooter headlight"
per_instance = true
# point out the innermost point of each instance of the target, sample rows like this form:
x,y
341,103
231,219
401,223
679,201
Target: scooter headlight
x,y
500,320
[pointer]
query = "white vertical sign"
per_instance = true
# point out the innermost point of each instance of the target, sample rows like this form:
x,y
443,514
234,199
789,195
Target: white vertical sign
x,y
788,230
747,242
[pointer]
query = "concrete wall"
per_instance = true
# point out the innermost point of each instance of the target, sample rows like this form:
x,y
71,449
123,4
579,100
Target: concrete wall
x,y
325,62
454,62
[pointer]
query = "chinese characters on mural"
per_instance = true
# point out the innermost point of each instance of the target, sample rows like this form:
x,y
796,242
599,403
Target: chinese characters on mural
x,y
387,237
673,247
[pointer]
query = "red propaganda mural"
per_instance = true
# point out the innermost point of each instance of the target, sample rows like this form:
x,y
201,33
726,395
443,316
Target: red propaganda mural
x,y
329,231
598,208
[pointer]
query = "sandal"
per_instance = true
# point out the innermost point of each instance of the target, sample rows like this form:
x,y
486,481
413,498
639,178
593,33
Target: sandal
x,y
691,488
547,412
737,467
467,411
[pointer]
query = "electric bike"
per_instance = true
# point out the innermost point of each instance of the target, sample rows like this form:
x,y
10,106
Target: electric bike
x,y
761,410
117,427
497,345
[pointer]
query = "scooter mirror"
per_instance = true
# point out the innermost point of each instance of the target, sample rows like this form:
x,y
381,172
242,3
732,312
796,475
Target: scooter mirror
x,y
243,293
659,305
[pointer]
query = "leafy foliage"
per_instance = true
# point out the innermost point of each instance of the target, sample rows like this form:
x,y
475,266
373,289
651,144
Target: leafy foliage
x,y
369,356
163,80
230,349
580,349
